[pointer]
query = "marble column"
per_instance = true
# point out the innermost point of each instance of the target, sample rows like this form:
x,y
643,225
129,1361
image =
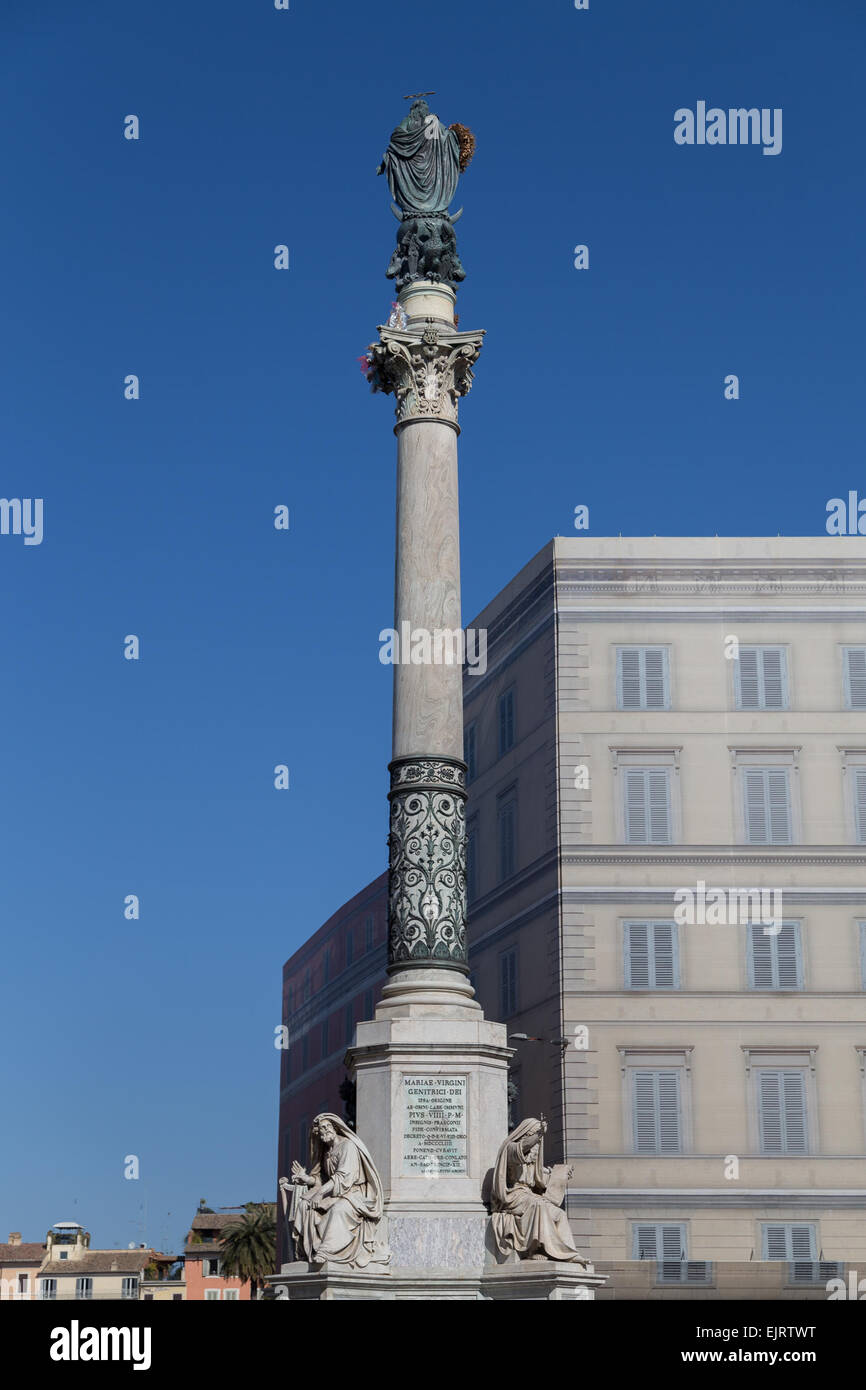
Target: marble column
x,y
427,366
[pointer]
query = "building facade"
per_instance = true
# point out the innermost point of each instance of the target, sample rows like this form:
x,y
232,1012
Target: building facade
x,y
20,1262
666,854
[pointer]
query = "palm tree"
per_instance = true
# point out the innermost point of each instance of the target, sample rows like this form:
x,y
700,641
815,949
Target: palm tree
x,y
249,1248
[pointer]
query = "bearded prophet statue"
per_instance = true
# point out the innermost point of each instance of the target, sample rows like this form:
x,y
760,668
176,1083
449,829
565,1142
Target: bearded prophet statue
x,y
336,1207
526,1213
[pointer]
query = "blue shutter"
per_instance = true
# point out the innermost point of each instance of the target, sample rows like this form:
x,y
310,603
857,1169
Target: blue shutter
x,y
637,955
855,677
860,804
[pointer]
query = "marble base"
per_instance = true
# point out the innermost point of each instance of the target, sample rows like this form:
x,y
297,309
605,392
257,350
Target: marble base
x,y
525,1281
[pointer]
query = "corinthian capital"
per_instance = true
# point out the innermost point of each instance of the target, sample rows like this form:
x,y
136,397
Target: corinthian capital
x,y
427,370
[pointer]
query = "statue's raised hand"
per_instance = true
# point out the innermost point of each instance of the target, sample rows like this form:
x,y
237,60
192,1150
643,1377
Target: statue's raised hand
x,y
300,1174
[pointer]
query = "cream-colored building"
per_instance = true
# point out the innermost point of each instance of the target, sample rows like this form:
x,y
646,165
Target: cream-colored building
x,y
71,1270
661,718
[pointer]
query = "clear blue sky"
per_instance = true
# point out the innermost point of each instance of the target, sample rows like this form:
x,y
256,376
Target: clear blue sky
x,y
604,387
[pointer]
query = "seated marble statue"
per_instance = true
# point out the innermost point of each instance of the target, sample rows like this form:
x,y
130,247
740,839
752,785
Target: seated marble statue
x,y
527,1218
339,1204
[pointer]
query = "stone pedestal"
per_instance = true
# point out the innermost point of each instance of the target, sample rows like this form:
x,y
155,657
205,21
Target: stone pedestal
x,y
431,1075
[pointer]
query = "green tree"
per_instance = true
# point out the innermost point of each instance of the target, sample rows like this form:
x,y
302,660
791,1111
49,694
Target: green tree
x,y
249,1249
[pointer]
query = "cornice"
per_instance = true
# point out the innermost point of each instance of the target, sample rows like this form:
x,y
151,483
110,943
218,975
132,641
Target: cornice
x,y
778,855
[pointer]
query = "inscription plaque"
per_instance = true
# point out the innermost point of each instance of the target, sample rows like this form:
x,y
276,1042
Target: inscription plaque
x,y
434,1125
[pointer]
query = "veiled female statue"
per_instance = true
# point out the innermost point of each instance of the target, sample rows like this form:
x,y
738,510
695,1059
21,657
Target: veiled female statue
x,y
339,1201
527,1218
423,164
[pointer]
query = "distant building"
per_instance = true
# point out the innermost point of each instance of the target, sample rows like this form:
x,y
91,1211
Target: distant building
x,y
202,1254
20,1262
661,716
71,1270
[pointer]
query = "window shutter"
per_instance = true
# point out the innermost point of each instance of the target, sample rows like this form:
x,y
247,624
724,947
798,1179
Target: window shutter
x,y
655,677
747,677
664,971
860,804
770,1116
659,806
756,811
645,1242
635,807
629,679
855,672
762,958
669,1112
787,944
794,1099
779,802
673,1254
782,1102
644,1116
767,806
773,663
776,1242
637,955
802,1242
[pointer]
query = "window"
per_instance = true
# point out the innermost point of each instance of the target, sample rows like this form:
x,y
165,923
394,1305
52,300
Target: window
x,y
290,1002
307,984
859,790
211,1295
508,983
775,961
472,859
642,680
23,1285
665,1242
782,1115
761,678
854,669
815,1271
651,955
177,1298
506,721
349,1024
47,1288
767,805
350,948
506,820
326,966
325,1048
368,1003
470,753
788,1240
129,1288
303,1134
231,1295
148,1297
305,1052
647,806
210,1267
656,1111
84,1288
368,934
64,1254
